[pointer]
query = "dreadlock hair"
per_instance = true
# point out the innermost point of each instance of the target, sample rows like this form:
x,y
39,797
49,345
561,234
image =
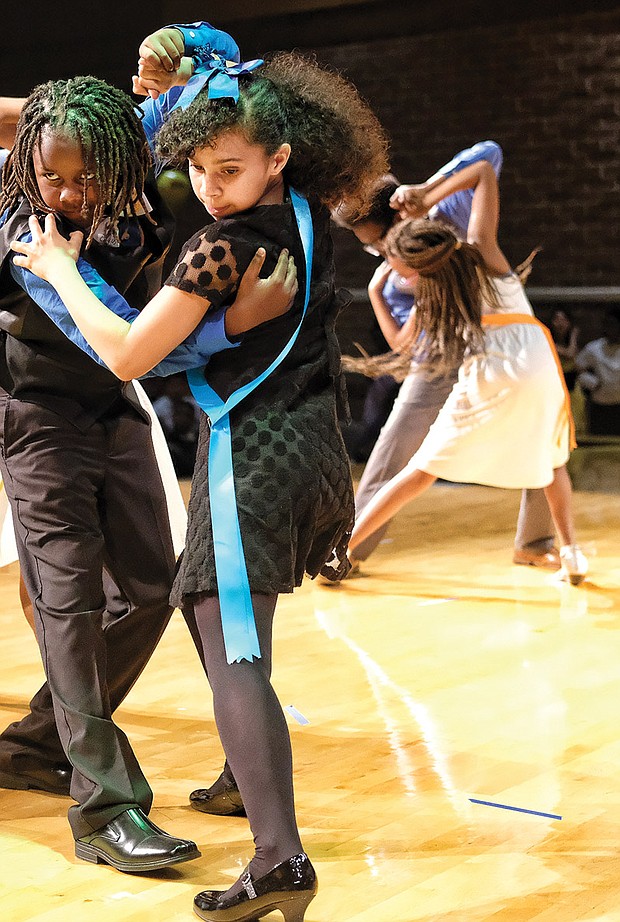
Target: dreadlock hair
x,y
338,147
107,126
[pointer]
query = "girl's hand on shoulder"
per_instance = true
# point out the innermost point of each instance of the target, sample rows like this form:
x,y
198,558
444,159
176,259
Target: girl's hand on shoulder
x,y
49,252
260,299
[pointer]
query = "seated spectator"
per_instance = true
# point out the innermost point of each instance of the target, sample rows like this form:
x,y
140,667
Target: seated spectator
x,y
598,367
565,336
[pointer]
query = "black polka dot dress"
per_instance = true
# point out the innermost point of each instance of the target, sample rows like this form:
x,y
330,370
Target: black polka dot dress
x,y
291,471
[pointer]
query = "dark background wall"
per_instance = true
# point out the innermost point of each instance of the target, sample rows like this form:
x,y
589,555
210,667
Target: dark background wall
x,y
542,78
547,90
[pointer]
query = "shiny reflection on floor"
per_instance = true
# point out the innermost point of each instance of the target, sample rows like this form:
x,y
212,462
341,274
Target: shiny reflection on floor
x,y
443,674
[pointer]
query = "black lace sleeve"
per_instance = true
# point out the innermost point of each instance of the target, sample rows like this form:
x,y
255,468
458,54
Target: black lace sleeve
x,y
208,268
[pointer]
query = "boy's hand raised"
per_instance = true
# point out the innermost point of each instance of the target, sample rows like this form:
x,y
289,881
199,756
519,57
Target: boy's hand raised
x,y
151,81
409,202
163,48
161,64
259,299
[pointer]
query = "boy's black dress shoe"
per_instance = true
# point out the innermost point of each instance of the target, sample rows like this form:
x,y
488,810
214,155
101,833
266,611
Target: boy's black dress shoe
x,y
221,799
54,779
289,887
132,843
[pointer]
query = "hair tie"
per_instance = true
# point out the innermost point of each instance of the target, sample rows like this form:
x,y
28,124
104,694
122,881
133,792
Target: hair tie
x,y
223,76
457,245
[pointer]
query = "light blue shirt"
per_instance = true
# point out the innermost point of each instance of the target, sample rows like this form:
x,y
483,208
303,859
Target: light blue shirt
x,y
455,209
208,338
399,302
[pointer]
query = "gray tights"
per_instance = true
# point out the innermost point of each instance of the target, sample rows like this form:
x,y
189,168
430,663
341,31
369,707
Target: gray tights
x,y
252,728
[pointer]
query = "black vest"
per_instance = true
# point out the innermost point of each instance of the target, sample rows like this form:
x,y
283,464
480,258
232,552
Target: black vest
x,y
38,363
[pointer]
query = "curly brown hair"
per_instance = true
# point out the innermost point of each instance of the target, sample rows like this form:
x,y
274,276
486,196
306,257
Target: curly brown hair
x,y
338,146
108,127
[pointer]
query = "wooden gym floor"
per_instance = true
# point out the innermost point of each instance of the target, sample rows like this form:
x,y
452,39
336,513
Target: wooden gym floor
x,y
443,676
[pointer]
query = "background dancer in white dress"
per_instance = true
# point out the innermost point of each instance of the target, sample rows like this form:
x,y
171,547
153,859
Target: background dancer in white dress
x,y
507,421
424,391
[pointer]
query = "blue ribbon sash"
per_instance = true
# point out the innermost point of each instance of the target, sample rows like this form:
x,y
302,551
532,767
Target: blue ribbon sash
x,y
238,624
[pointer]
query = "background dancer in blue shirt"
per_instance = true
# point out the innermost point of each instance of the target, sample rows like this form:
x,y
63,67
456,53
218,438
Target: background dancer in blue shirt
x,y
506,422
424,391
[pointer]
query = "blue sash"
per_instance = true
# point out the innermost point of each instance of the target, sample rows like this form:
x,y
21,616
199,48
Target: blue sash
x,y
238,625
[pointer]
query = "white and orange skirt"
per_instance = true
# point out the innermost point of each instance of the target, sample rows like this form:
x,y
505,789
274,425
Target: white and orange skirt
x,y
507,421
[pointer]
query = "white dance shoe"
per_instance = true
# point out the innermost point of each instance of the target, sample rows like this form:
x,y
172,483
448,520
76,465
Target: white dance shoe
x,y
574,564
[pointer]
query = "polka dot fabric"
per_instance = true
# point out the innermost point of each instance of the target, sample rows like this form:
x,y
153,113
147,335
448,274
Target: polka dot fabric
x,y
206,268
292,476
292,482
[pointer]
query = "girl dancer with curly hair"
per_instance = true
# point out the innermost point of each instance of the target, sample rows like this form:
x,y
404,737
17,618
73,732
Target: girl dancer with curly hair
x,y
270,148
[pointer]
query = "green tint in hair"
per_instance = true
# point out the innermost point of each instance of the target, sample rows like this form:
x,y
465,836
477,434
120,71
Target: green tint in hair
x,y
105,122
338,147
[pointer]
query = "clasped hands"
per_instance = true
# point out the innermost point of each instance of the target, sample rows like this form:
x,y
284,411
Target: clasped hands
x,y
161,64
408,201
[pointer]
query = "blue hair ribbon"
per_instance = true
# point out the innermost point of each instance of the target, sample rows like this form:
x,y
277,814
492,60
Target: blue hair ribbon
x,y
223,76
236,612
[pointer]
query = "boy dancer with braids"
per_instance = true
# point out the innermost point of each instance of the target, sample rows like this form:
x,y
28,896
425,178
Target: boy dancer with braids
x,y
78,463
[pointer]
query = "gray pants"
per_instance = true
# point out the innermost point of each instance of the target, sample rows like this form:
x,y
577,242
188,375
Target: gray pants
x,y
82,501
419,401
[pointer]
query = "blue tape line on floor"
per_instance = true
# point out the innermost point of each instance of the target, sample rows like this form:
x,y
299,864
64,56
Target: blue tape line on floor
x,y
489,803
